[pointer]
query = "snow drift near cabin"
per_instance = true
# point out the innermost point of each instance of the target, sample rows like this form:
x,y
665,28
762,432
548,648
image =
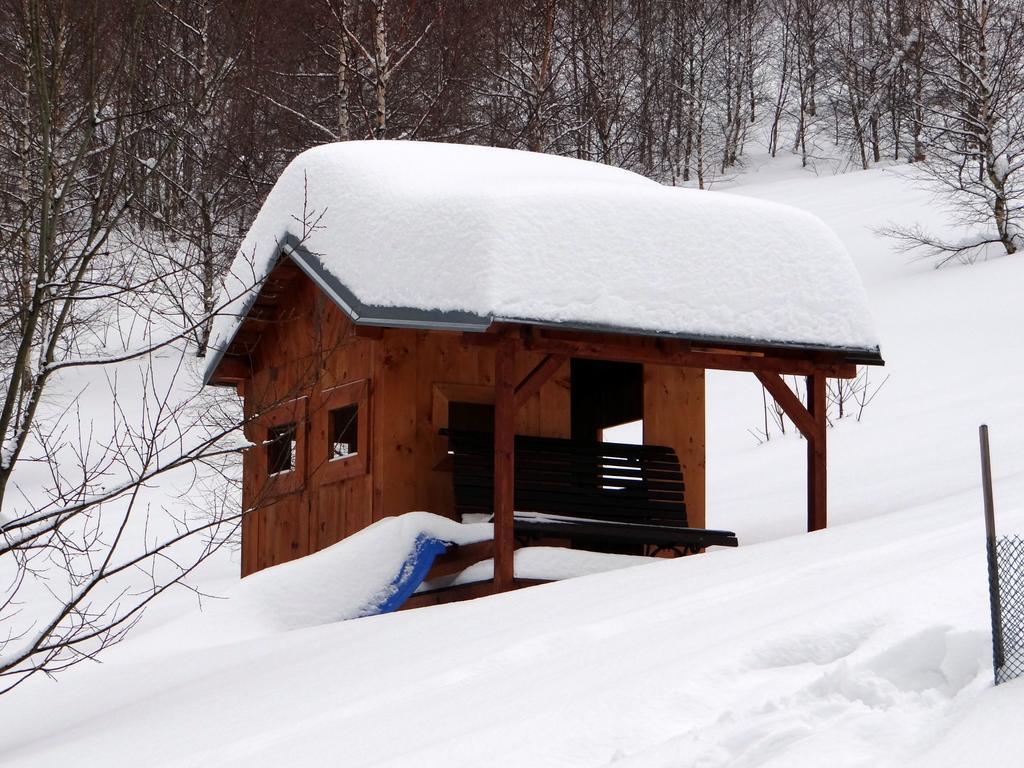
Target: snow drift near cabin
x,y
359,576
518,236
370,572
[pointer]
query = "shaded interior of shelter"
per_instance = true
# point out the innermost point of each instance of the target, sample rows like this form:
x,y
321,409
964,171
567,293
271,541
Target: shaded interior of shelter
x,y
603,395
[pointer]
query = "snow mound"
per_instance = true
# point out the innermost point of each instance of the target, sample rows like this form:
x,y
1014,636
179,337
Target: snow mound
x,y
370,572
519,236
348,580
357,573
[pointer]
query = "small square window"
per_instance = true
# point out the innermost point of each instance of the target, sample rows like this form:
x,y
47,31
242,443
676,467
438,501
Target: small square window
x,y
344,432
281,449
341,434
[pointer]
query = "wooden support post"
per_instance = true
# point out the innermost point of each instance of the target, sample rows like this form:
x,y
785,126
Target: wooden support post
x,y
817,478
504,463
674,415
812,422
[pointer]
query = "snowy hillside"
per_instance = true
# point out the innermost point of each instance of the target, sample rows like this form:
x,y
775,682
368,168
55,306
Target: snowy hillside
x,y
863,645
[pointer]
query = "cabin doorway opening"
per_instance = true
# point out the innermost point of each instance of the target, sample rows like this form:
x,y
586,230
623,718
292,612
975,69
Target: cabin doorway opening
x,y
470,417
607,401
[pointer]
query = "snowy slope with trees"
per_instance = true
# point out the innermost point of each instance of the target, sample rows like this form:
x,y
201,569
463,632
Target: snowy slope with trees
x,y
139,139
137,142
866,644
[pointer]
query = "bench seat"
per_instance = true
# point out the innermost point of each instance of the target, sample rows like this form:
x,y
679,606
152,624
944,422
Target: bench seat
x,y
589,492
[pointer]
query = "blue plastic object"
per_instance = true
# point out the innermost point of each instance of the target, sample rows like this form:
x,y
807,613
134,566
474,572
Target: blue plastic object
x,y
414,570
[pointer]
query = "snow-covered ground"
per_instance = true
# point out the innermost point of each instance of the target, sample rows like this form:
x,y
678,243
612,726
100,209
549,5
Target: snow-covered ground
x,y
863,645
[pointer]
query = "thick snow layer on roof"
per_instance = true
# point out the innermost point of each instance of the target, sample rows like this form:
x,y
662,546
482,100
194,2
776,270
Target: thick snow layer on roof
x,y
506,234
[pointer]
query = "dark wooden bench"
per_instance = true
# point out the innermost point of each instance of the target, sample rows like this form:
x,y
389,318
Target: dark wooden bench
x,y
588,492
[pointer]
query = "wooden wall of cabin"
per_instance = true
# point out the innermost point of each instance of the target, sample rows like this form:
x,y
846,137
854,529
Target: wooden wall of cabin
x,y
410,377
302,356
674,415
418,374
311,351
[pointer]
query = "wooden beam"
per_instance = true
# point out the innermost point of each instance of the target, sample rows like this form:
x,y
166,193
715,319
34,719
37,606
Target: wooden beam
x,y
674,415
474,339
263,310
675,352
537,378
460,592
789,402
256,324
231,370
285,270
374,332
455,594
459,558
246,337
504,463
817,477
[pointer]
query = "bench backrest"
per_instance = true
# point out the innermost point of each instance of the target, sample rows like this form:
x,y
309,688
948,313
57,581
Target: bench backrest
x,y
602,481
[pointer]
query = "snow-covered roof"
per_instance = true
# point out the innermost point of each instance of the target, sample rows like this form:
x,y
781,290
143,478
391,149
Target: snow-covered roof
x,y
431,234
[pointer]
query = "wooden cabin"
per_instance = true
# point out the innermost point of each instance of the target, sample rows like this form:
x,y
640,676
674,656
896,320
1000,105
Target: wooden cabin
x,y
392,294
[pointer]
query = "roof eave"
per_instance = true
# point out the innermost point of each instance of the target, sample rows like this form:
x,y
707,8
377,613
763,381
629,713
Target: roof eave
x,y
458,321
856,355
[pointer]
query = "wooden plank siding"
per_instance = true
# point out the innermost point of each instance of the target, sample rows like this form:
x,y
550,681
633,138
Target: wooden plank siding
x,y
309,348
297,354
417,374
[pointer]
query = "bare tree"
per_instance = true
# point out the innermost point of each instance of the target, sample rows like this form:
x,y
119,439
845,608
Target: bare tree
x,y
98,546
80,555
603,33
742,54
785,11
205,190
974,124
856,69
697,77
808,30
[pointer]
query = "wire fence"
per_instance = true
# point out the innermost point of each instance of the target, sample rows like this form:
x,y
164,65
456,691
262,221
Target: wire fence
x,y
1008,603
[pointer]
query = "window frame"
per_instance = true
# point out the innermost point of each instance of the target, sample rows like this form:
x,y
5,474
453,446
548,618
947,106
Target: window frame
x,y
330,470
274,434
353,424
291,412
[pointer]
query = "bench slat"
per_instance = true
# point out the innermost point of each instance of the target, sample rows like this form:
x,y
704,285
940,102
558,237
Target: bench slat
x,y
607,491
665,536
603,488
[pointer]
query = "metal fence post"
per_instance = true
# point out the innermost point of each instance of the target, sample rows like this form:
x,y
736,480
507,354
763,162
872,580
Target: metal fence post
x,y
998,657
